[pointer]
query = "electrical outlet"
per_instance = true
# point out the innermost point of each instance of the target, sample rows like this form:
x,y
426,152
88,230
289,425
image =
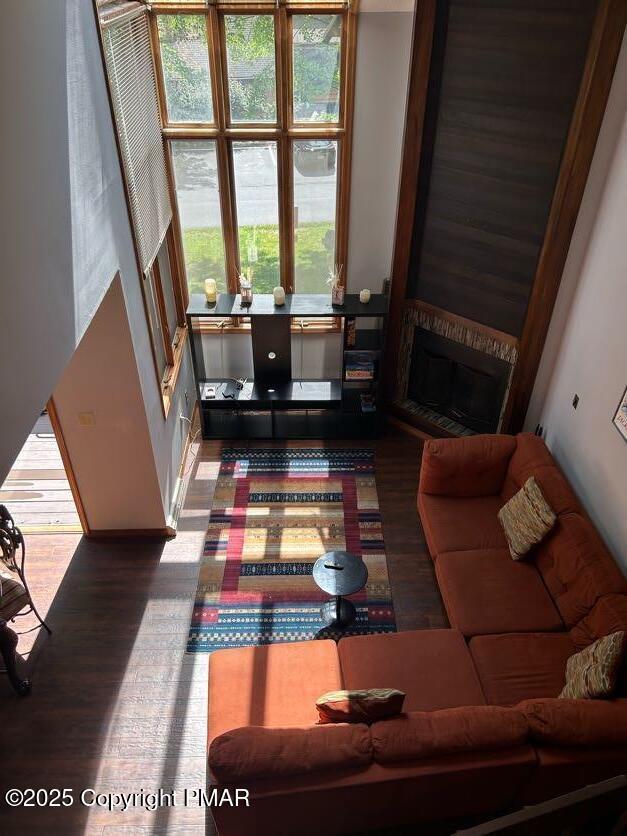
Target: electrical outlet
x,y
575,401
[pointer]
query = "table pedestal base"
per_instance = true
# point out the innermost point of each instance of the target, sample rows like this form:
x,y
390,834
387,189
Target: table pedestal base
x,y
338,612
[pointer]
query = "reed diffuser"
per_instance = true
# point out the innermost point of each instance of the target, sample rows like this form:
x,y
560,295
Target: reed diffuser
x,y
246,287
337,289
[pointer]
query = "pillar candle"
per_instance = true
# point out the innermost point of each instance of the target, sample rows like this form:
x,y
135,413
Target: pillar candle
x,y
364,296
279,296
210,290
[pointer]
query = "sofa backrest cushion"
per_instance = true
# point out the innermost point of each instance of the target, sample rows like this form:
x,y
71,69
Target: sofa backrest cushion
x,y
258,752
608,616
468,466
576,722
424,734
577,567
532,458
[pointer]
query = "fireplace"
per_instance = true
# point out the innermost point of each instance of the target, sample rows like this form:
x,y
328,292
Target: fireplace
x,y
456,382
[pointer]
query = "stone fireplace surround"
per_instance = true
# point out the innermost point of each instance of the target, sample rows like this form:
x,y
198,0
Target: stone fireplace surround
x,y
465,333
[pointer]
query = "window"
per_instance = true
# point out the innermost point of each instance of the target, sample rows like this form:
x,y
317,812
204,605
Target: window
x,y
195,165
125,29
257,116
165,310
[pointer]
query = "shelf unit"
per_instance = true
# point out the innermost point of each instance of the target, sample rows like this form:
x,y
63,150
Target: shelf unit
x,y
274,404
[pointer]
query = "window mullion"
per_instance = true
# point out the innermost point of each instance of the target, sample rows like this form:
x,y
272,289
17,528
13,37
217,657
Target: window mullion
x,y
286,199
217,49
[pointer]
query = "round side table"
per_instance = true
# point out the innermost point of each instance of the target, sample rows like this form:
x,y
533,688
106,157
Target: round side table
x,y
339,574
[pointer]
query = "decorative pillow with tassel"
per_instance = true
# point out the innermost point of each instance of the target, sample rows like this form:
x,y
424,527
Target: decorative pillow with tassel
x,y
359,706
594,672
526,519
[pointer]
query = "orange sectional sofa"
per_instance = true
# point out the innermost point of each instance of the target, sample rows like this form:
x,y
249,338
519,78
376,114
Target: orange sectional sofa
x,y
482,730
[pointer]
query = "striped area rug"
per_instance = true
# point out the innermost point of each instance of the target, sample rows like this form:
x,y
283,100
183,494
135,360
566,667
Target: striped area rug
x,y
274,513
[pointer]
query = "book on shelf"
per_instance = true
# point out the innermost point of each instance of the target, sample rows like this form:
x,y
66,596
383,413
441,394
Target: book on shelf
x,y
351,332
360,365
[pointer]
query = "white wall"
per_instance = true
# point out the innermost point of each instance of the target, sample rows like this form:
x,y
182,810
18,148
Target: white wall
x,y
111,452
586,349
384,40
314,356
65,222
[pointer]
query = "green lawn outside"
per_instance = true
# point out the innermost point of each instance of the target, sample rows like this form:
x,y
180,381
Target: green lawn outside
x,y
204,257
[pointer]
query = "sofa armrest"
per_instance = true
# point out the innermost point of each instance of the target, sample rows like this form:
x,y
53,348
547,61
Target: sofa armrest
x,y
254,752
470,466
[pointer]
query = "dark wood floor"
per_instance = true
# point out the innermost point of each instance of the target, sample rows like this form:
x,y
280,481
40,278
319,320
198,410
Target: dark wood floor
x,y
117,704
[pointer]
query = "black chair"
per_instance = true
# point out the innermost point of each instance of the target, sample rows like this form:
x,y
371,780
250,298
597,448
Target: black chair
x,y
15,597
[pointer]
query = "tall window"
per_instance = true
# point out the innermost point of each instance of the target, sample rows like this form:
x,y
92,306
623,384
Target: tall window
x,y
127,46
256,106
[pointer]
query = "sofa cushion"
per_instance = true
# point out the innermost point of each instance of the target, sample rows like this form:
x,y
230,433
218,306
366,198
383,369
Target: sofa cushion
x,y
359,706
432,667
451,524
257,752
424,734
463,467
577,722
272,685
608,615
485,591
577,567
521,666
593,672
533,458
526,519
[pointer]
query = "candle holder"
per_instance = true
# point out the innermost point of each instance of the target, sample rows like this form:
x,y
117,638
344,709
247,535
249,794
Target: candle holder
x,y
211,291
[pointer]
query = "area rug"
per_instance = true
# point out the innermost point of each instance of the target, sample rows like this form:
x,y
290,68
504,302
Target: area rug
x,y
274,513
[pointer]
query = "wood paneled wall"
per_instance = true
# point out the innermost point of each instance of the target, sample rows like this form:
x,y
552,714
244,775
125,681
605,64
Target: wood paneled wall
x,y
508,76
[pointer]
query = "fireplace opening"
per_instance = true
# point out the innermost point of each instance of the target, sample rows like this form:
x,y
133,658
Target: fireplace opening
x,y
457,382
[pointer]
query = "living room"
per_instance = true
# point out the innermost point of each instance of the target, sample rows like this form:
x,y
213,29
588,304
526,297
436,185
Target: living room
x,y
314,417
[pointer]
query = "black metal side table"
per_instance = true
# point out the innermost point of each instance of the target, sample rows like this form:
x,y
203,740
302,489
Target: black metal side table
x,y
339,574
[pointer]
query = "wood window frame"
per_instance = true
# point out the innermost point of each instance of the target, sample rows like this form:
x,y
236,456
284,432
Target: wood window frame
x,y
108,13
173,340
284,131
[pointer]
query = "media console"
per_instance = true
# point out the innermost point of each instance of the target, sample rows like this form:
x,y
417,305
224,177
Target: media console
x,y
274,404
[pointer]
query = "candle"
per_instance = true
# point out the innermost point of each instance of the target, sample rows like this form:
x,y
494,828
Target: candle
x,y
211,291
364,296
279,296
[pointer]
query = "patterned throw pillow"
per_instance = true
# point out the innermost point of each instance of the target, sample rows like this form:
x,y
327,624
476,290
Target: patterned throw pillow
x,y
594,671
359,706
526,519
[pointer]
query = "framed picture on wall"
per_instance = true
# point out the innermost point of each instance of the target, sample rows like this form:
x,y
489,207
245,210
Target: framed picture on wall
x,y
620,416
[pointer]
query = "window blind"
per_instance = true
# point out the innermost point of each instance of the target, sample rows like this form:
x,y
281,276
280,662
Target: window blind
x,y
134,93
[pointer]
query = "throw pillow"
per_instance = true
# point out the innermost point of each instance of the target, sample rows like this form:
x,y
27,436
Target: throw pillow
x,y
526,519
359,706
594,671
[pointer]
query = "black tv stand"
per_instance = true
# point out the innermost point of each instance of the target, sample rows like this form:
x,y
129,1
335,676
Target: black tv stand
x,y
274,404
